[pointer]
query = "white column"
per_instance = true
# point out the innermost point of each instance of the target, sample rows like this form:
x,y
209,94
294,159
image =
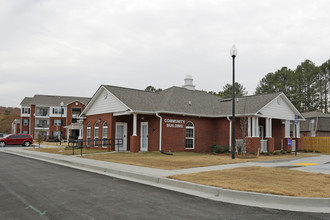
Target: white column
x,y
298,129
249,126
287,129
253,126
134,124
67,135
268,127
257,126
230,135
80,133
294,130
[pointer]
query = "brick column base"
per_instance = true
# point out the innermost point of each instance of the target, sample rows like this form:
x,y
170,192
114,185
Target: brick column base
x,y
134,144
286,147
252,144
271,144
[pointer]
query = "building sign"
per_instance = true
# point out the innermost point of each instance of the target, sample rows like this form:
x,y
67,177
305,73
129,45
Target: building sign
x,y
289,142
173,123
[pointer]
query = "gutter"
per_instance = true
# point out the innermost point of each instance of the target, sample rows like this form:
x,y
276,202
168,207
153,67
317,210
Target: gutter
x,y
160,130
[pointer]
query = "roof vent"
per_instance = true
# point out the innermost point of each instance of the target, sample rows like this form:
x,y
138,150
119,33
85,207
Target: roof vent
x,y
188,83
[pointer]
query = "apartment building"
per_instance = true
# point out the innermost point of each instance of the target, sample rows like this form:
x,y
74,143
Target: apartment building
x,y
52,115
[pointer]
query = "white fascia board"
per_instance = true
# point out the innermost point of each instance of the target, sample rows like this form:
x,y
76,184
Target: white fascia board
x,y
200,115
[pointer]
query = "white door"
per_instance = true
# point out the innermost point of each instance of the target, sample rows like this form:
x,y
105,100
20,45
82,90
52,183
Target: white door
x,y
144,136
121,133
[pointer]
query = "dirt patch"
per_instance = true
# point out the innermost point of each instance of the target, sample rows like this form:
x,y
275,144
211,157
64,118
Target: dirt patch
x,y
264,180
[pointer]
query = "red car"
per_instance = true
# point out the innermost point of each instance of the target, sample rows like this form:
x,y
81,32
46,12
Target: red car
x,y
18,139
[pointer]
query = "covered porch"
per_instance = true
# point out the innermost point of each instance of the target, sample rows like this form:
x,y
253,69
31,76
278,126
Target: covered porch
x,y
265,134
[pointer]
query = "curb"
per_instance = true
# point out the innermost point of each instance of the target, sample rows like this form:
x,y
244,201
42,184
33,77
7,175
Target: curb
x,y
300,204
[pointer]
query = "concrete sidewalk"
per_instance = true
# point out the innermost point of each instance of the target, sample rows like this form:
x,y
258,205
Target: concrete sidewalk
x,y
157,178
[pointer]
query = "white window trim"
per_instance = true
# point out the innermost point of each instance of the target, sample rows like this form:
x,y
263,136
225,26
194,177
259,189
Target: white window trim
x,y
193,138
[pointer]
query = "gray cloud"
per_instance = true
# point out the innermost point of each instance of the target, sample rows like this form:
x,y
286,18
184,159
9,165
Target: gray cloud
x,y
71,47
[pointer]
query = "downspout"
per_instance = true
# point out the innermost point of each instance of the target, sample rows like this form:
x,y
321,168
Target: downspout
x,y
229,132
160,130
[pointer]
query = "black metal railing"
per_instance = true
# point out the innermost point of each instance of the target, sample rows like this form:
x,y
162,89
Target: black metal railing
x,y
95,143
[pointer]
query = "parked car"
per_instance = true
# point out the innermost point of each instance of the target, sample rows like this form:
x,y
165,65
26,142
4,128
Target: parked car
x,y
18,139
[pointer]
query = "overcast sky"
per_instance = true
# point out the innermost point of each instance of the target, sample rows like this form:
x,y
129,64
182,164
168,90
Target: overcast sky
x,y
71,47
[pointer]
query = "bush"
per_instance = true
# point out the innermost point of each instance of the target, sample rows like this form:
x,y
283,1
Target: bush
x,y
276,153
288,151
252,153
283,152
317,151
216,148
310,150
305,150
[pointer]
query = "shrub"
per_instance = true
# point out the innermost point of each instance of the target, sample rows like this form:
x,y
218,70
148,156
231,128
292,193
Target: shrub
x,y
288,151
305,150
317,151
310,150
283,152
251,153
216,148
276,153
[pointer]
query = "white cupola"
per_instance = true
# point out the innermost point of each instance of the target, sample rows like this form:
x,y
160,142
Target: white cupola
x,y
188,83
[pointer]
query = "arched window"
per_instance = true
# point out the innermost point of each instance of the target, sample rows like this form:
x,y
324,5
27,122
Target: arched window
x,y
96,133
88,134
190,133
104,134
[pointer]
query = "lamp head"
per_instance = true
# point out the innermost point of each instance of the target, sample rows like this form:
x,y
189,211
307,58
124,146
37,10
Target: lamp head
x,y
233,51
62,104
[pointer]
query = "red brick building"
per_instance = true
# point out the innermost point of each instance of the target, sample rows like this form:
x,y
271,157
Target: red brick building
x,y
185,119
44,114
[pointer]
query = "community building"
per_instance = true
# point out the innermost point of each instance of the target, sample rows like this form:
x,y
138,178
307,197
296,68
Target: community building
x,y
185,119
51,116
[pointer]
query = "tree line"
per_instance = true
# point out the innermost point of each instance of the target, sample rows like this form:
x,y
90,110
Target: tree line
x,y
307,86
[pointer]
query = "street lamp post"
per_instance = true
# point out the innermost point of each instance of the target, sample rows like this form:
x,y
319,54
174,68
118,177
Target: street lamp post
x,y
62,104
233,53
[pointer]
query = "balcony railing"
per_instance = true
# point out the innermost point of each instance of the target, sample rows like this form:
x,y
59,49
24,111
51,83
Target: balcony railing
x,y
42,126
75,115
42,114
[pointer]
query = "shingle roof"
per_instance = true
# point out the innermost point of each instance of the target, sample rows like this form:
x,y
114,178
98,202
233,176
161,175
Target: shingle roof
x,y
51,100
26,101
321,121
181,100
315,114
138,100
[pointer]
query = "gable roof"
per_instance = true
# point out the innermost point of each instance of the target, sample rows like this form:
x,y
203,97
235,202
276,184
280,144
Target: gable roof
x,y
26,101
178,100
51,100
